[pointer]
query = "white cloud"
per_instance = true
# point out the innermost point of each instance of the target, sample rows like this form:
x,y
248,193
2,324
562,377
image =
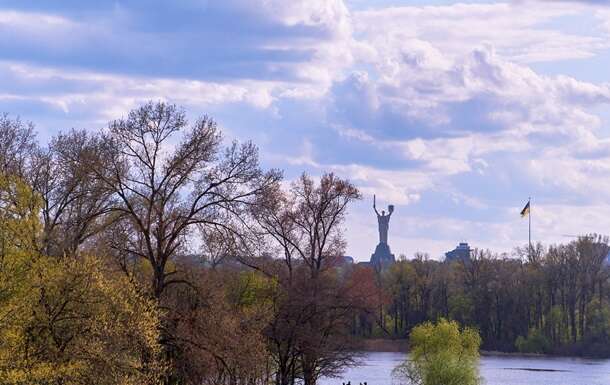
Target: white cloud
x,y
23,20
517,30
413,102
107,96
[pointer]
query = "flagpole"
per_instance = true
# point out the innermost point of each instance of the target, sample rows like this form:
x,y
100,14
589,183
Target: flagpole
x,y
529,235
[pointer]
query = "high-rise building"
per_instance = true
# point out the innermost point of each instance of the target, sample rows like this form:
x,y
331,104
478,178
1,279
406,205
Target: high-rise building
x,y
461,252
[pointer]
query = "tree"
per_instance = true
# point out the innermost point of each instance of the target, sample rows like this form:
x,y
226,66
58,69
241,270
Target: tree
x,y
309,333
400,278
74,201
166,183
218,322
81,324
66,321
169,180
17,143
19,227
535,342
441,354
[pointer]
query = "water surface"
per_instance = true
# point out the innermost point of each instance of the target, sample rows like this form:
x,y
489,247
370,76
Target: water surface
x,y
495,370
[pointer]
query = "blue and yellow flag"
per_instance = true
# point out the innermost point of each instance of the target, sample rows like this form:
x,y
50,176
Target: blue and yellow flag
x,y
526,210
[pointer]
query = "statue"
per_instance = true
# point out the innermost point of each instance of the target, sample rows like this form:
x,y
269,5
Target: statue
x,y
383,220
382,257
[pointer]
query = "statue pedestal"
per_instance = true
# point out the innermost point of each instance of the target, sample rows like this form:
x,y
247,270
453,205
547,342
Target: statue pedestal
x,y
382,257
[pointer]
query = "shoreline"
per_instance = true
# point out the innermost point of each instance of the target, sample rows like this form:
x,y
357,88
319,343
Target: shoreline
x,y
402,346
384,345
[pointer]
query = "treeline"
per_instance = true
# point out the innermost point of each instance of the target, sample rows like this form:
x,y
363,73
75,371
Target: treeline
x,y
154,252
550,300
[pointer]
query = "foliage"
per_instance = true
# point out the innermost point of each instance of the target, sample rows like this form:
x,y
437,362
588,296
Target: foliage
x,y
80,326
117,209
309,333
19,225
555,299
251,290
597,339
441,354
535,342
66,321
598,322
95,239
217,328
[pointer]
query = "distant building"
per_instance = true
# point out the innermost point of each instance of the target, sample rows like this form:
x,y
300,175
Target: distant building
x,y
344,261
461,252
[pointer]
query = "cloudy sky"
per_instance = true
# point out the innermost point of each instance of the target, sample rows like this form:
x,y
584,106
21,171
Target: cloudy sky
x,y
454,112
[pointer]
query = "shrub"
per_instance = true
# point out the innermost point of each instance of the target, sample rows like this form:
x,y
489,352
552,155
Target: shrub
x,y
441,354
535,342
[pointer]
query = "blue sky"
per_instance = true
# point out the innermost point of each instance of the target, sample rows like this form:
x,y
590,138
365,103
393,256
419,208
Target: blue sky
x,y
454,112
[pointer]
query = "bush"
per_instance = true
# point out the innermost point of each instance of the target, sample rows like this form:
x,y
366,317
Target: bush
x,y
441,354
535,342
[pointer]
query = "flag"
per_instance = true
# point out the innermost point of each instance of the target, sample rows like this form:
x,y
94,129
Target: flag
x,y
526,210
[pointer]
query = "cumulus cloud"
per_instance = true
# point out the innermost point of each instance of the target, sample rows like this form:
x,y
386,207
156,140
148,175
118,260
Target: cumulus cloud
x,y
447,91
92,99
518,30
203,40
471,110
437,109
455,109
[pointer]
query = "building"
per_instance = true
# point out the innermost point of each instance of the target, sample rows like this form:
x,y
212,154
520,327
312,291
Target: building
x,y
348,260
461,252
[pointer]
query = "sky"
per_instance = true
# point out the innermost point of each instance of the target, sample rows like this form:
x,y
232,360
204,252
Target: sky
x,y
455,112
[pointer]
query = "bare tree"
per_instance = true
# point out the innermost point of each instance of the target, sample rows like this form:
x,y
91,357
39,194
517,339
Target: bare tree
x,y
217,245
166,183
309,332
17,143
74,201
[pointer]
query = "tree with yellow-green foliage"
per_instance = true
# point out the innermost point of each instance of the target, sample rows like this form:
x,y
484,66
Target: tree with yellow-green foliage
x,y
67,321
18,253
441,354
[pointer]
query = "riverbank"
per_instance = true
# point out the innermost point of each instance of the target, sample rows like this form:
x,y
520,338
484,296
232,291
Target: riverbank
x,y
402,346
385,345
497,353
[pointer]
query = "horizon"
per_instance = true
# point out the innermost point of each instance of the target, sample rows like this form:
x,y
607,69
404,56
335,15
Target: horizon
x,y
453,112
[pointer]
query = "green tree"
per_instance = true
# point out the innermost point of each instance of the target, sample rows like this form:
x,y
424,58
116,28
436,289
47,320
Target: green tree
x,y
535,342
18,226
441,354
66,321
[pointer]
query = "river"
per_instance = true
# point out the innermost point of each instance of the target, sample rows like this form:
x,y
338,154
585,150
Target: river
x,y
495,370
